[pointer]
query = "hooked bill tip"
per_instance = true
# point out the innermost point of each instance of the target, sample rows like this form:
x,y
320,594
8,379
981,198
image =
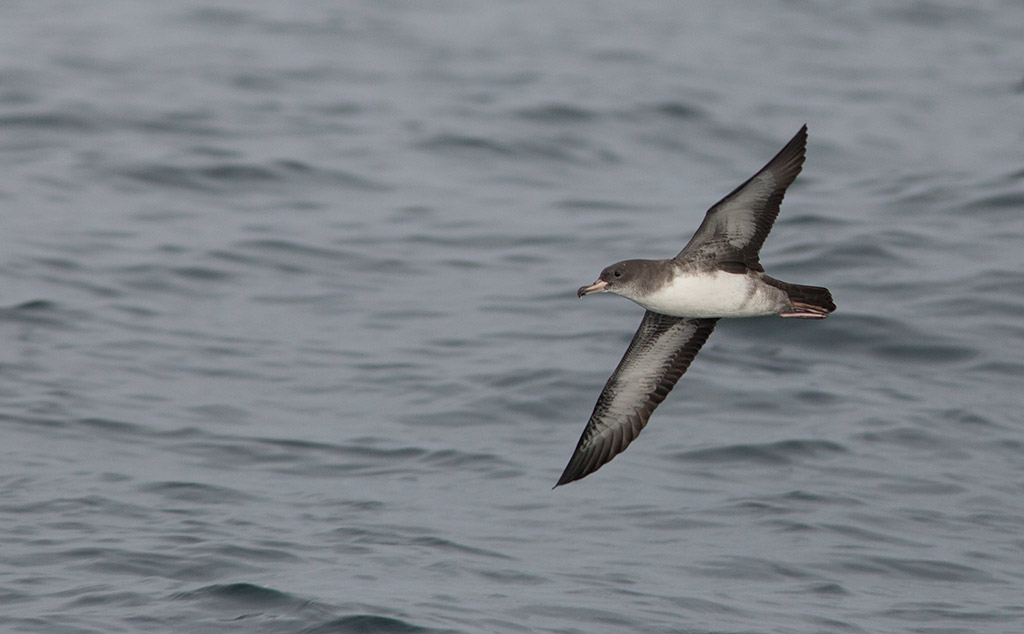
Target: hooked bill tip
x,y
596,287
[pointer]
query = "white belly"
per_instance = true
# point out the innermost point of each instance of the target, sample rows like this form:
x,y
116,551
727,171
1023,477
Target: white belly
x,y
717,294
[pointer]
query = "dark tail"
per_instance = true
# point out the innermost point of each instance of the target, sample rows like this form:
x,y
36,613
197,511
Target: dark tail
x,y
809,302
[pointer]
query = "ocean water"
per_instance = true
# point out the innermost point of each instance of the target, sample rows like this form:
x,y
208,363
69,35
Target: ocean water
x,y
289,340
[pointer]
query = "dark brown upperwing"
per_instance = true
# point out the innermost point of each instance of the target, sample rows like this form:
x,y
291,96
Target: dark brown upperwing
x,y
735,228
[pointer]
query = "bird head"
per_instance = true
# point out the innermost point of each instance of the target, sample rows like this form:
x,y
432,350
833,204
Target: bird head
x,y
621,278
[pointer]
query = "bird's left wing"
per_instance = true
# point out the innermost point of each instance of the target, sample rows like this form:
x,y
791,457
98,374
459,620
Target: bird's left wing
x,y
660,352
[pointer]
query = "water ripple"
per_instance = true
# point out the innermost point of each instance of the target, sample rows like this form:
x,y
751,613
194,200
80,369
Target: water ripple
x,y
780,453
369,624
290,341
225,176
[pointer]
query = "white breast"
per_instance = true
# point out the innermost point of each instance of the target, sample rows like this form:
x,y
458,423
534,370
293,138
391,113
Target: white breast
x,y
715,294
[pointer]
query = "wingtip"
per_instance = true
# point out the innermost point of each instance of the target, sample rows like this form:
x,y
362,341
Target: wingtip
x,y
566,478
800,138
578,468
790,160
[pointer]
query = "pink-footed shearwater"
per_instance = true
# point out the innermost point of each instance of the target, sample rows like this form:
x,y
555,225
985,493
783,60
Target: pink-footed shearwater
x,y
717,274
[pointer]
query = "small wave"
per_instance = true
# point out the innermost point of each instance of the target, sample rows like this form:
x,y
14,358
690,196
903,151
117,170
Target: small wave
x,y
244,593
585,204
196,492
921,569
752,568
43,313
360,457
926,353
557,113
60,122
462,143
187,281
369,624
294,257
779,453
219,17
888,338
563,148
669,110
227,176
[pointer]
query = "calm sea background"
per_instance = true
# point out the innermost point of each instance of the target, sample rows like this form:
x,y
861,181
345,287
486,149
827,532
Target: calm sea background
x,y
289,340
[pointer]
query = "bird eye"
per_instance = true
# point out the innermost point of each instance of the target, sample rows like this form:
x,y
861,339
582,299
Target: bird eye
x,y
617,273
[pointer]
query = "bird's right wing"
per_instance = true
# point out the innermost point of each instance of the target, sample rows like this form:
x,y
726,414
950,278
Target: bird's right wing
x,y
659,354
736,226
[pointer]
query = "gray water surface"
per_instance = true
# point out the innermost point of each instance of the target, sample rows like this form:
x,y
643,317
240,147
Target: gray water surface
x,y
289,339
